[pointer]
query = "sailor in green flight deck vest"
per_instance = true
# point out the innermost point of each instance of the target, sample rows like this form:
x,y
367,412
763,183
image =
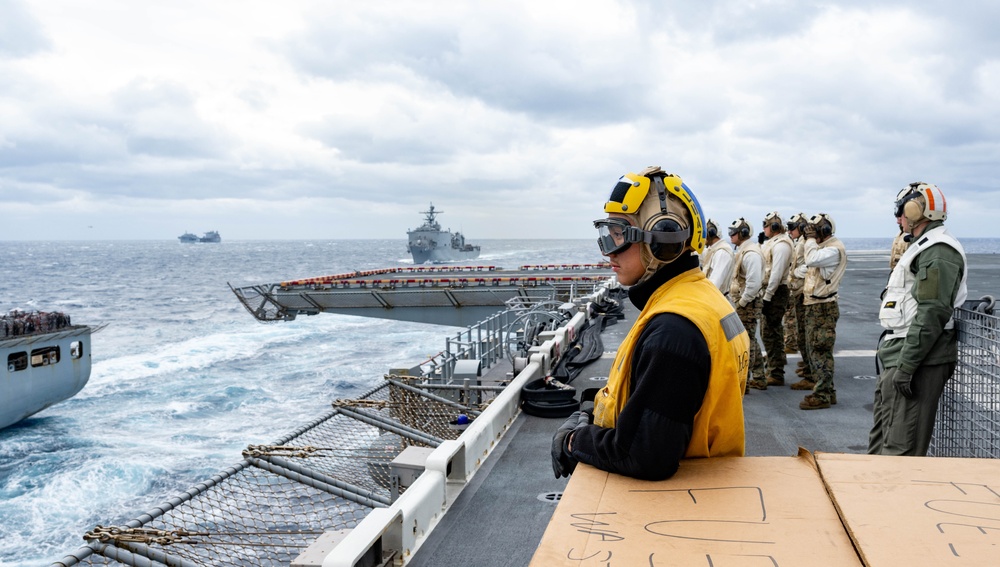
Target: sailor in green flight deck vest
x,y
919,350
676,386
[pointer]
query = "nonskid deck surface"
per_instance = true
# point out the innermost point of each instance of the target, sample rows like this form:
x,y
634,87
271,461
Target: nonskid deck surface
x,y
500,517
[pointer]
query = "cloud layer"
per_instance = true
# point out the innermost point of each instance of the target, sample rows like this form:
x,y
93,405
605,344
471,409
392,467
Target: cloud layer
x,y
344,119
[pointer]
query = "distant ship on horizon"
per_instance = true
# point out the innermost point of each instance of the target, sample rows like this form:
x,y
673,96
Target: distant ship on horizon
x,y
428,243
210,236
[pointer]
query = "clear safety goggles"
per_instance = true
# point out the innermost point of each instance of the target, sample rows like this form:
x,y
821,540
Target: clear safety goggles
x,y
614,235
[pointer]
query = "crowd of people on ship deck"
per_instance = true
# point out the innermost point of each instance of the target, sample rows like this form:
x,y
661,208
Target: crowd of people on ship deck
x,y
16,322
677,384
788,280
784,282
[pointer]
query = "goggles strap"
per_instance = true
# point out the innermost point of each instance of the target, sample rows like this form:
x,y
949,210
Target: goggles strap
x,y
656,178
665,237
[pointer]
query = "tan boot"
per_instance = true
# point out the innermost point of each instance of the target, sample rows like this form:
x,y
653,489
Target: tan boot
x,y
758,384
812,402
803,384
774,381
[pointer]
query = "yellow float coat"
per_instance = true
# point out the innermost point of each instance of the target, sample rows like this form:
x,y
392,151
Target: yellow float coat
x,y
718,425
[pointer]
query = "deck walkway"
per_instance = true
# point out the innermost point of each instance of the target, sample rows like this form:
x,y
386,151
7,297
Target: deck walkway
x,y
500,517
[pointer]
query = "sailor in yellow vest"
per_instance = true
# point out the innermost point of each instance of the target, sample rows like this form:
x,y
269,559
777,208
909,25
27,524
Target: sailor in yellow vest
x,y
675,387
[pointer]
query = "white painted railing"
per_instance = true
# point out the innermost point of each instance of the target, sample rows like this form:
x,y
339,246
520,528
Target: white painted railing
x,y
407,523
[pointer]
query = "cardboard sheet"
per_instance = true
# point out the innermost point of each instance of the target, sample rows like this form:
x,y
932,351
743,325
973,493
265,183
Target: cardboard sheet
x,y
917,510
725,512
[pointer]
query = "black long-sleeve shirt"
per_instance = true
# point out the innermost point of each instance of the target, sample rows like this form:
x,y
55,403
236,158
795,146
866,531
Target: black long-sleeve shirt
x,y
669,378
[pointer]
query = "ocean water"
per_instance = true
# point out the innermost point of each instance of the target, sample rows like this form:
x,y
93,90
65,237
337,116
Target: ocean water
x,y
184,378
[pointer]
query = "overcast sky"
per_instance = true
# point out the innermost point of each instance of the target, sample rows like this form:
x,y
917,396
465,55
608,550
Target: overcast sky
x,y
344,119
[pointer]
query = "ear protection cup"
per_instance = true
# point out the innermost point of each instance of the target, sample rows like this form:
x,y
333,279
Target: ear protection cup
x,y
713,232
824,230
913,210
666,252
775,227
665,221
744,232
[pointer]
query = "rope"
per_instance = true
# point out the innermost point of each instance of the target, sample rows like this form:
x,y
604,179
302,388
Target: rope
x,y
380,404
139,535
115,535
282,451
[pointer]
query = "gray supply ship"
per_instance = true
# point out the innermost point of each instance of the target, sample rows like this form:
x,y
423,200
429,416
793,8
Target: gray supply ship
x,y
210,236
446,462
428,243
48,361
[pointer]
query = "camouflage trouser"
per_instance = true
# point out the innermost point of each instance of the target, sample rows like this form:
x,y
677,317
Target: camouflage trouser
x,y
821,334
791,327
749,315
800,334
772,333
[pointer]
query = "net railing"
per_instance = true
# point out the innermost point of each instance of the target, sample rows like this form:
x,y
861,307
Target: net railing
x,y
968,419
327,475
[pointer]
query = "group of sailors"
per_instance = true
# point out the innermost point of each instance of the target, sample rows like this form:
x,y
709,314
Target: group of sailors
x,y
786,280
16,322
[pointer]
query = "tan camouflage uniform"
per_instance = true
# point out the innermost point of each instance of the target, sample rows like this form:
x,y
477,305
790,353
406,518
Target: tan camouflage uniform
x,y
899,245
826,263
796,311
748,311
775,296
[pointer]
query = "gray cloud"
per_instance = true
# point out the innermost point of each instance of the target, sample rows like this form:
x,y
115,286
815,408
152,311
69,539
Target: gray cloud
x,y
20,33
505,116
484,53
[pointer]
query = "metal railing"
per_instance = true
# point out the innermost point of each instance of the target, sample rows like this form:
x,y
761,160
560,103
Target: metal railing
x,y
968,419
494,338
334,474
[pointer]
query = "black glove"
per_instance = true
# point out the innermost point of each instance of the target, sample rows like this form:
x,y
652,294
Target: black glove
x,y
562,462
904,384
761,237
810,231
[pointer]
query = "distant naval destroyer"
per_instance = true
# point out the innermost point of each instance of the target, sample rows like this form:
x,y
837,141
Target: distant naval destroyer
x,y
428,243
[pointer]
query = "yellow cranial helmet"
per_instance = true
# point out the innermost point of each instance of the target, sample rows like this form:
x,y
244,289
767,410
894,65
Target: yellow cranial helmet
x,y
667,216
